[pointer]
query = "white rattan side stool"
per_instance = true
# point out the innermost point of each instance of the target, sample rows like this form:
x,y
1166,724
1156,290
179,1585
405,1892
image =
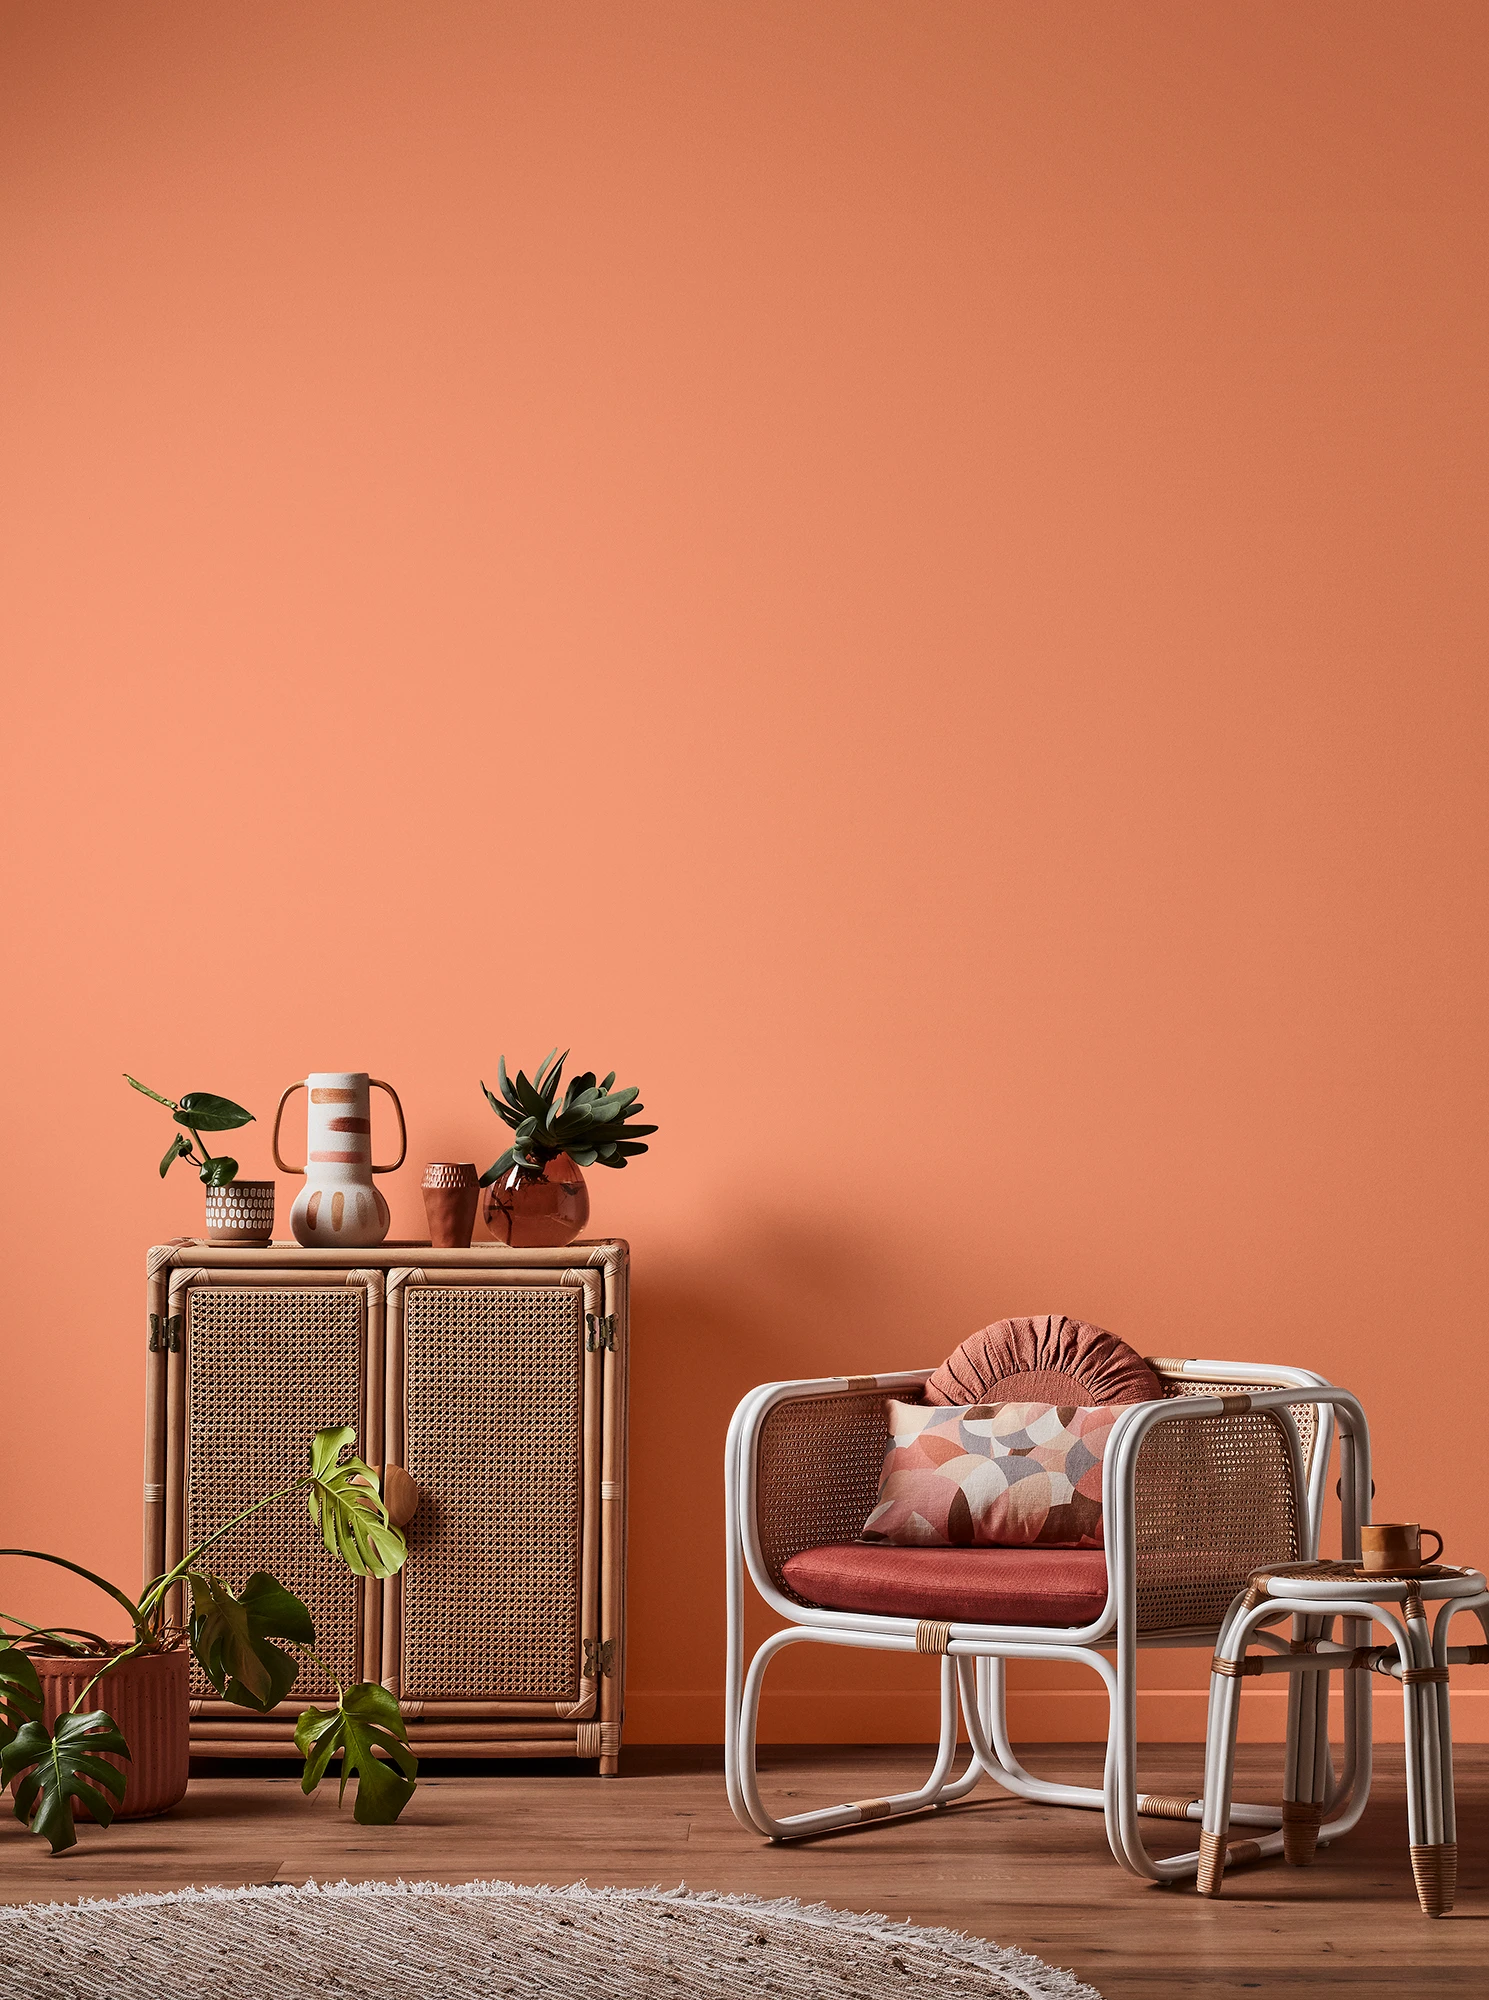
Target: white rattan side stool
x,y
1316,1594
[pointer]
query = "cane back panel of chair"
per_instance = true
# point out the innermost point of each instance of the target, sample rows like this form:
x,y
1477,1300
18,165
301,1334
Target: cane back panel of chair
x,y
267,1367
494,1417
817,1474
1215,1499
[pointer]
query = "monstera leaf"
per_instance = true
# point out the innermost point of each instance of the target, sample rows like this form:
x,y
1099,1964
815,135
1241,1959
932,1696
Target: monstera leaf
x,y
347,1508
20,1694
64,1766
232,1637
365,1719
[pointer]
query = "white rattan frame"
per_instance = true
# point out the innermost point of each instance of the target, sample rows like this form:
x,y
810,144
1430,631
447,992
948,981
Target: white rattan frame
x,y
972,1671
1415,1656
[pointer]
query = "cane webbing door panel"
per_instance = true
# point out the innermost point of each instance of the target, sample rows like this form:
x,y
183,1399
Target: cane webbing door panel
x,y
493,1412
266,1366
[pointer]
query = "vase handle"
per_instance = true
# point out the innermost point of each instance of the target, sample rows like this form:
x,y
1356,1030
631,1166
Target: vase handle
x,y
373,1084
284,1165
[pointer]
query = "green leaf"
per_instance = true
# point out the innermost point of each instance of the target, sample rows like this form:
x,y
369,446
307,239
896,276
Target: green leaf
x,y
20,1693
62,1767
145,1091
509,1114
608,1081
505,1084
497,1168
365,1719
179,1148
231,1637
552,1083
206,1113
219,1172
346,1506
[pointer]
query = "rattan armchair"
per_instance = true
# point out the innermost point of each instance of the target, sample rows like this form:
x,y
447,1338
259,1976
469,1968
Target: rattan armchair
x,y
1224,1474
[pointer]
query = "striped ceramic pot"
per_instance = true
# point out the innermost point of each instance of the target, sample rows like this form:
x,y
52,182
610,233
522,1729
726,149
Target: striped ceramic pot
x,y
339,1208
147,1697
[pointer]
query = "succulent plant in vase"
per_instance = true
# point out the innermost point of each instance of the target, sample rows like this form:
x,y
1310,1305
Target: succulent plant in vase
x,y
535,1193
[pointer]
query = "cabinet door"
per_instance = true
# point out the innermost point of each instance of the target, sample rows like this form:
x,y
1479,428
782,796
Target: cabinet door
x,y
494,1411
265,1363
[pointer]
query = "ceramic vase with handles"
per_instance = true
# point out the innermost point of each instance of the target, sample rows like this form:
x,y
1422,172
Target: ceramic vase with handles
x,y
339,1208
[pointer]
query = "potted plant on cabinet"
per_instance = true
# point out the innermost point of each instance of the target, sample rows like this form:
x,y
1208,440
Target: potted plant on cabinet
x,y
536,1194
60,1755
237,1211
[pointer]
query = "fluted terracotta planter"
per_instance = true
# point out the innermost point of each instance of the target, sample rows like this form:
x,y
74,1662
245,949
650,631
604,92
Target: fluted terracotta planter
x,y
147,1698
538,1208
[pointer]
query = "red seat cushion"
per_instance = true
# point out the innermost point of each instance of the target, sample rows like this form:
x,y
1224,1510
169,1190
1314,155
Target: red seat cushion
x,y
956,1586
1051,1359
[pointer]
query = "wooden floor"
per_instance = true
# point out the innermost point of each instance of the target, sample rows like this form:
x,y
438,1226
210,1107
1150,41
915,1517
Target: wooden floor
x,y
1039,1878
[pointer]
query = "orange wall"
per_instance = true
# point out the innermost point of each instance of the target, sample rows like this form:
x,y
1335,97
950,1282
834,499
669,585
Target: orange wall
x,y
912,576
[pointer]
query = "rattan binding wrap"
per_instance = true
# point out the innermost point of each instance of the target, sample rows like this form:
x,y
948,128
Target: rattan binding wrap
x,y
1300,1823
1436,1873
1155,1805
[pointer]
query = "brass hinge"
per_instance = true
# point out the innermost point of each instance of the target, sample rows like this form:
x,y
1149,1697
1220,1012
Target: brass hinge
x,y
599,1659
165,1334
599,1331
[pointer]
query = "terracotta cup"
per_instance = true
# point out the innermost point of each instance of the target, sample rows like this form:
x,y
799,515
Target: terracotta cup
x,y
1395,1545
452,1191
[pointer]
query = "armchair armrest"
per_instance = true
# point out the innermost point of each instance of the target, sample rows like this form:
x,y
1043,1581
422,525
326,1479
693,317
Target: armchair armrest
x,y
803,1463
1200,1490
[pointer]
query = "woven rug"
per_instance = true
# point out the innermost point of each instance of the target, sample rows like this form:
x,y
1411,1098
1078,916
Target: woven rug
x,y
424,1941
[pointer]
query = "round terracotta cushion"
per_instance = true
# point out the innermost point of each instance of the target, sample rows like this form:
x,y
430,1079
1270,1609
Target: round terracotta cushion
x,y
1047,1360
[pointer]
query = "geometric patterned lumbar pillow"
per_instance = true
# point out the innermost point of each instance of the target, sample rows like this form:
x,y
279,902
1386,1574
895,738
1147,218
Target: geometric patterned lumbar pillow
x,y
992,1475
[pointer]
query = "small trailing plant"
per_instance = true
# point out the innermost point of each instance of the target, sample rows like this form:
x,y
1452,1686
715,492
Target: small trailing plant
x,y
592,1123
236,1639
199,1111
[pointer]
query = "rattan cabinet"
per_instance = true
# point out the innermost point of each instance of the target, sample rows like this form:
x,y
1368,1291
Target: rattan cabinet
x,y
497,1379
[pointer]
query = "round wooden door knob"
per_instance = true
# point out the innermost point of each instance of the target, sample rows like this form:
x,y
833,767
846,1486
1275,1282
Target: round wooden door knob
x,y
400,1495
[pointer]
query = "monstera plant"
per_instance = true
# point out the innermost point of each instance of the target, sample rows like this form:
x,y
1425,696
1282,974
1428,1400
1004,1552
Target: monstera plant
x,y
199,1111
249,1643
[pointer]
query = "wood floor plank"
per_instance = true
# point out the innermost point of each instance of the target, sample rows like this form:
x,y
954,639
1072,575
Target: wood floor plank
x,y
1041,1878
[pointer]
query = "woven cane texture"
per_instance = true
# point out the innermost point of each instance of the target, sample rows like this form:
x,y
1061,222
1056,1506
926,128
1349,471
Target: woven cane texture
x,y
493,1411
1208,1494
817,1475
267,1367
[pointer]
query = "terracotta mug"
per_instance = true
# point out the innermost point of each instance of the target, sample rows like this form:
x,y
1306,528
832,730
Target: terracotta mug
x,y
1395,1545
452,1190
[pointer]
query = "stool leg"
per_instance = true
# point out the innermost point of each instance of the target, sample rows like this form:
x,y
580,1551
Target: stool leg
x,y
1220,1764
1434,1855
1304,1782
